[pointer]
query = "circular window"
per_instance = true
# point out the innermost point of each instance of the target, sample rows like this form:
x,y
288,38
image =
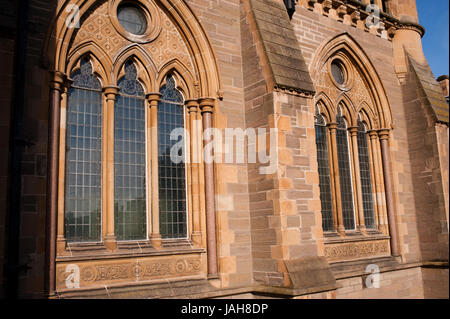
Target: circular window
x,y
132,18
337,70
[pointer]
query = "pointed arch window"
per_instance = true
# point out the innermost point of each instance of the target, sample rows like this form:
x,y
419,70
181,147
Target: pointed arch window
x,y
172,174
83,165
366,178
324,172
345,173
130,199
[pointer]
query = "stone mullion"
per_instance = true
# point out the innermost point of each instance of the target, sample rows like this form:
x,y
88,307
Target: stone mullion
x,y
188,170
361,226
337,183
111,93
373,182
381,199
201,179
156,238
192,106
332,183
149,170
373,135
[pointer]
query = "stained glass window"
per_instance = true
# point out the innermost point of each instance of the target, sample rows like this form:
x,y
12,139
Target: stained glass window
x,y
172,176
130,218
324,173
83,157
345,174
366,180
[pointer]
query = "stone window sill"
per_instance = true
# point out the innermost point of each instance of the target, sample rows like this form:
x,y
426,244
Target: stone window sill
x,y
98,251
354,236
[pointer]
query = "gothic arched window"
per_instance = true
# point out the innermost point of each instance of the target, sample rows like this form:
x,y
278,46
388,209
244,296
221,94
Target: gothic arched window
x,y
130,210
366,179
83,156
345,174
324,173
172,176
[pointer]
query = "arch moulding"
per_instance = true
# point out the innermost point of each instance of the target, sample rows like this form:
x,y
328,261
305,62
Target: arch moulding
x,y
59,54
344,44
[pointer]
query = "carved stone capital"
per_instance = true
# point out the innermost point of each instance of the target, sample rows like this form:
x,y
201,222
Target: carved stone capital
x,y
353,130
332,126
206,105
192,106
58,81
111,92
373,134
384,134
153,99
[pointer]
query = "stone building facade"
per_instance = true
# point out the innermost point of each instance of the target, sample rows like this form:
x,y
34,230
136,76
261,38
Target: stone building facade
x,y
351,202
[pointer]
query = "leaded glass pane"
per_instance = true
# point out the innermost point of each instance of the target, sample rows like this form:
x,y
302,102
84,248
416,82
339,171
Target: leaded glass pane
x,y
132,19
345,175
337,72
130,209
83,165
128,84
366,180
324,174
172,179
83,77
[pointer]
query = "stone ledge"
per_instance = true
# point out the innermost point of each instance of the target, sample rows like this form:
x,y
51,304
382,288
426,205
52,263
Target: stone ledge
x,y
88,256
351,269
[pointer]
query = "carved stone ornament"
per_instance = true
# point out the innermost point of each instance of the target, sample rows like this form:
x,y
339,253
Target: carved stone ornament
x,y
356,250
100,273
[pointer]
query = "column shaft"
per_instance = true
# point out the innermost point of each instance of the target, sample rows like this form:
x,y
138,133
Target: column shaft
x,y
207,107
110,238
57,87
337,183
153,99
357,179
384,138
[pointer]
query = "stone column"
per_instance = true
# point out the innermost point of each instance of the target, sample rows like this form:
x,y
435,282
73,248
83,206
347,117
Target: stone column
x,y
378,173
332,182
359,198
192,106
337,182
111,93
375,176
207,109
153,99
60,239
56,89
384,139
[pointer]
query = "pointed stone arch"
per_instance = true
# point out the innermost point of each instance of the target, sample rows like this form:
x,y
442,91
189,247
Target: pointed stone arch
x,y
185,82
145,66
346,45
101,62
328,108
348,109
368,116
58,42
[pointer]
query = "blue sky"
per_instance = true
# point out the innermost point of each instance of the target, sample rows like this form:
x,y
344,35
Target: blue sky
x,y
433,15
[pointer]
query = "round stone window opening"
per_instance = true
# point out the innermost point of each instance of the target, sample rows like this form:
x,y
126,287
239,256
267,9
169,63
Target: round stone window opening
x,y
132,18
338,72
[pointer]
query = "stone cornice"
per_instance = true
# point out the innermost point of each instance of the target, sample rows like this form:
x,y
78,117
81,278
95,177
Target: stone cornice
x,y
354,13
